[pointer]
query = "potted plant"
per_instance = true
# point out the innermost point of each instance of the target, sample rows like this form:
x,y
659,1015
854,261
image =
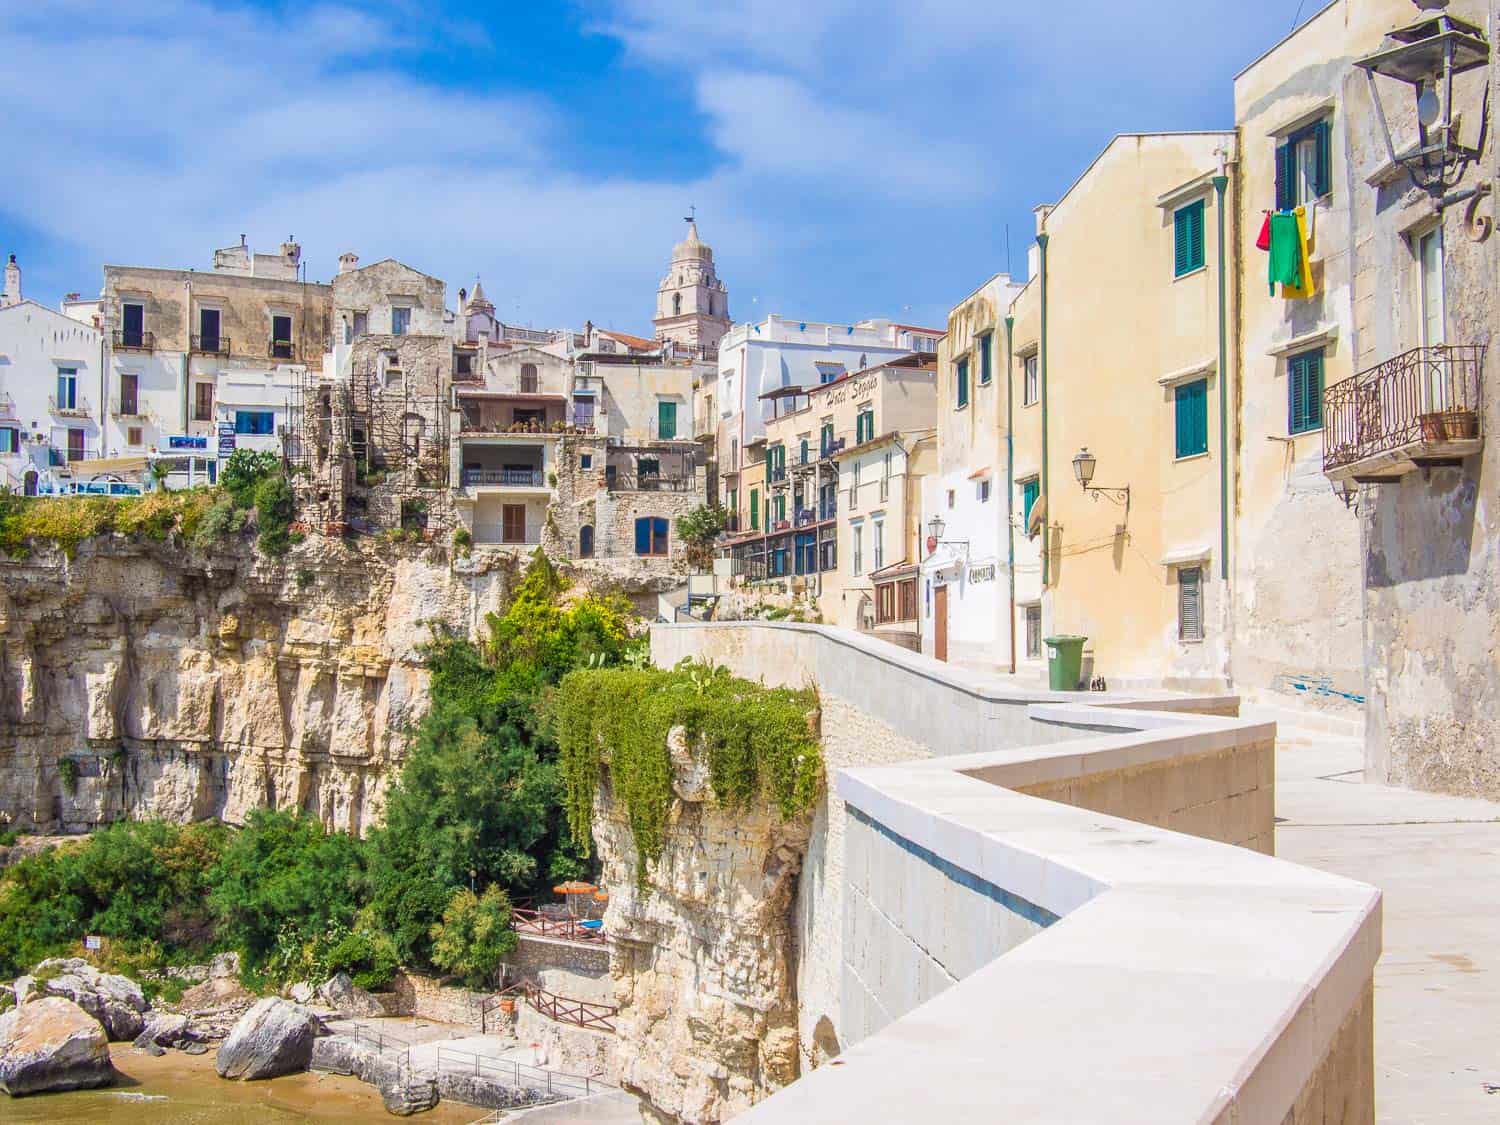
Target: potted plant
x,y
1458,425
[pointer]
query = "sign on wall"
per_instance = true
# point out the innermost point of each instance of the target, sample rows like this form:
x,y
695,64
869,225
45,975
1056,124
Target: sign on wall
x,y
187,441
985,573
226,439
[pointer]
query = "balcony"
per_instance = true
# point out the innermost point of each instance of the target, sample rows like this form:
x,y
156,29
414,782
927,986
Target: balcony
x,y
617,480
126,408
504,478
8,407
78,409
1420,409
211,345
133,340
281,349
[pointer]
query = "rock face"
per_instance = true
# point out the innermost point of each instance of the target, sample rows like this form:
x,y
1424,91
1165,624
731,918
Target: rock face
x,y
190,686
274,1037
52,1044
115,1001
703,959
341,994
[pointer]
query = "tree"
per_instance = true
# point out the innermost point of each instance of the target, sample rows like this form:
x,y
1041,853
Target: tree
x,y
699,529
244,472
474,935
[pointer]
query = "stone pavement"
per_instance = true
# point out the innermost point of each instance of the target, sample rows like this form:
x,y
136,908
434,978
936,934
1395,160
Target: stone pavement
x,y
1437,861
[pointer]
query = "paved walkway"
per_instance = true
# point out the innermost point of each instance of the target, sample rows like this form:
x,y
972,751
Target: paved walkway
x,y
1437,861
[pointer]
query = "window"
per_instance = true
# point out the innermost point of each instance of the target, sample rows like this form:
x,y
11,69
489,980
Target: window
x,y
130,397
132,326
361,324
982,490
805,449
755,509
528,379
1430,279
257,422
10,439
1030,490
585,460
1304,392
986,362
666,420
1192,418
857,533
864,425
463,363
400,320
807,552
779,504
77,451
281,337
825,437
962,390
134,436
828,372
732,505
885,603
651,535
1304,166
586,541
828,554
1187,240
951,497
1034,631
1030,380
1190,603
877,542
513,523
67,388
676,304
908,595
208,329
203,402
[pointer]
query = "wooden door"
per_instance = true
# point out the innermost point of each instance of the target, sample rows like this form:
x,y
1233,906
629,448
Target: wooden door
x,y
940,623
513,523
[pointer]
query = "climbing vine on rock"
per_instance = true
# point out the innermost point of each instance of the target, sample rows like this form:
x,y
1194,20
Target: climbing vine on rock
x,y
760,744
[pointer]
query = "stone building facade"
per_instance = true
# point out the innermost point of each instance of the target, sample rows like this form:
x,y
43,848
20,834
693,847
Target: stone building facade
x,y
692,304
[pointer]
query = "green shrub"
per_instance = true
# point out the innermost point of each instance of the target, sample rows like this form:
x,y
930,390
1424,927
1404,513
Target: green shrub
x,y
474,935
221,520
758,741
275,506
245,471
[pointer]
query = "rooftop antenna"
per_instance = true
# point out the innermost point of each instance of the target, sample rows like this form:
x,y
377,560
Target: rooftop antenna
x,y
692,215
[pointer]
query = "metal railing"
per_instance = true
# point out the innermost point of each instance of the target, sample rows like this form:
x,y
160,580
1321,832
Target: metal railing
x,y
469,424
525,921
124,408
617,481
524,478
1426,394
281,349
79,408
125,340
211,345
517,1075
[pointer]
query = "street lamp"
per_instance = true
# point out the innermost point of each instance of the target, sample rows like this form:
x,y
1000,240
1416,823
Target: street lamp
x,y
936,527
1426,56
1084,463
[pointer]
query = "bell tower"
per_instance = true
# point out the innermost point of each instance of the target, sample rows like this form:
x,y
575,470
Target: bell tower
x,y
692,305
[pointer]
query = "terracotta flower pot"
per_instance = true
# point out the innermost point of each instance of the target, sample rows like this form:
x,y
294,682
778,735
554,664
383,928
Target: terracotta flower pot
x,y
1460,425
1432,427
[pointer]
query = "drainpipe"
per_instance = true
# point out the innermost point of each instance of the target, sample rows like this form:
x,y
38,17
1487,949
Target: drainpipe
x,y
1221,182
1041,241
1010,480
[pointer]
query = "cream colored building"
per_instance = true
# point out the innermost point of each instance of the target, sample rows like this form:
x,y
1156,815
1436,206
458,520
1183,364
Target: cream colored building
x,y
1123,363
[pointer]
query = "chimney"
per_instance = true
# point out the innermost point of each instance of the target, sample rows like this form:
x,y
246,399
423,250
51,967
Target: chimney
x,y
11,294
348,261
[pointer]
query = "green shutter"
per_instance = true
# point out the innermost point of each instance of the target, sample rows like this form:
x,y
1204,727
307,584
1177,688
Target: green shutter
x,y
986,370
1029,491
755,509
1323,169
666,420
1188,238
1192,418
963,382
1286,173
1305,392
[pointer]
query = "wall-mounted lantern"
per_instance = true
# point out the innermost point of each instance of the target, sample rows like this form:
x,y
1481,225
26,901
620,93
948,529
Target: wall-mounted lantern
x,y
1084,463
1426,57
935,529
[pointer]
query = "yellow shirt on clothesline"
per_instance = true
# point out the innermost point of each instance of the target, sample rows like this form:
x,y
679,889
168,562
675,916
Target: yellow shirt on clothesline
x,y
1308,287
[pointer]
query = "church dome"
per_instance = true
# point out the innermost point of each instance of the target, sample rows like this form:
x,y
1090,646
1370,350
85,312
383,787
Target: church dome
x,y
692,248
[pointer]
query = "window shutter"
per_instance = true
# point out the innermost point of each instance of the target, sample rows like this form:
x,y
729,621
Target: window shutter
x,y
1313,391
1284,176
1296,395
1190,603
659,536
1323,170
643,536
1195,233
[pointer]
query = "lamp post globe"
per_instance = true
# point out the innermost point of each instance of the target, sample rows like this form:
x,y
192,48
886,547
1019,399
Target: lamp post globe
x,y
1083,466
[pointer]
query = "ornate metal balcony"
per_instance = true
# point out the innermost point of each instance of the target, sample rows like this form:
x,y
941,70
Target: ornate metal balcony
x,y
211,345
78,408
514,478
1422,408
127,340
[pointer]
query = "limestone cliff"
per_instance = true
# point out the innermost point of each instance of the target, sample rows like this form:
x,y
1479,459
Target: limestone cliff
x,y
704,957
188,685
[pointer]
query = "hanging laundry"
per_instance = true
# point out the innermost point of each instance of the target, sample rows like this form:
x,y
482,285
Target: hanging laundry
x,y
1263,240
1286,257
1306,286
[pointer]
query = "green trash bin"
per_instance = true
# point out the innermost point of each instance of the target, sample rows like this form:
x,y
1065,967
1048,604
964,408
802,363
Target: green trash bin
x,y
1064,661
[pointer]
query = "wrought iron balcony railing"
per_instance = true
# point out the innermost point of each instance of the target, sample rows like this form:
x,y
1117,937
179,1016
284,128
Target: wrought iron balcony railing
x,y
282,349
1426,403
78,408
133,340
519,478
211,345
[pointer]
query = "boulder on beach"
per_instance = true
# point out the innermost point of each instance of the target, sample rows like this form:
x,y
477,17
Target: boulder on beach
x,y
115,1001
274,1037
52,1044
164,1029
348,999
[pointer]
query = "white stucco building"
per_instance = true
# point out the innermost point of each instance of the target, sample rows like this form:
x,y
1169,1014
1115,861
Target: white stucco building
x,y
50,389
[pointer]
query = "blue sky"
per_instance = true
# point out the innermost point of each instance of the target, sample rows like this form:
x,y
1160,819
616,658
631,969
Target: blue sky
x,y
848,158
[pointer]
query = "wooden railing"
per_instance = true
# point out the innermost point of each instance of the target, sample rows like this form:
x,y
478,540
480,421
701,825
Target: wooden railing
x,y
564,1009
525,921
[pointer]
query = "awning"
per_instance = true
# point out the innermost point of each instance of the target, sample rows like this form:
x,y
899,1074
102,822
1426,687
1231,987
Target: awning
x,y
980,473
1038,517
1183,556
101,466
